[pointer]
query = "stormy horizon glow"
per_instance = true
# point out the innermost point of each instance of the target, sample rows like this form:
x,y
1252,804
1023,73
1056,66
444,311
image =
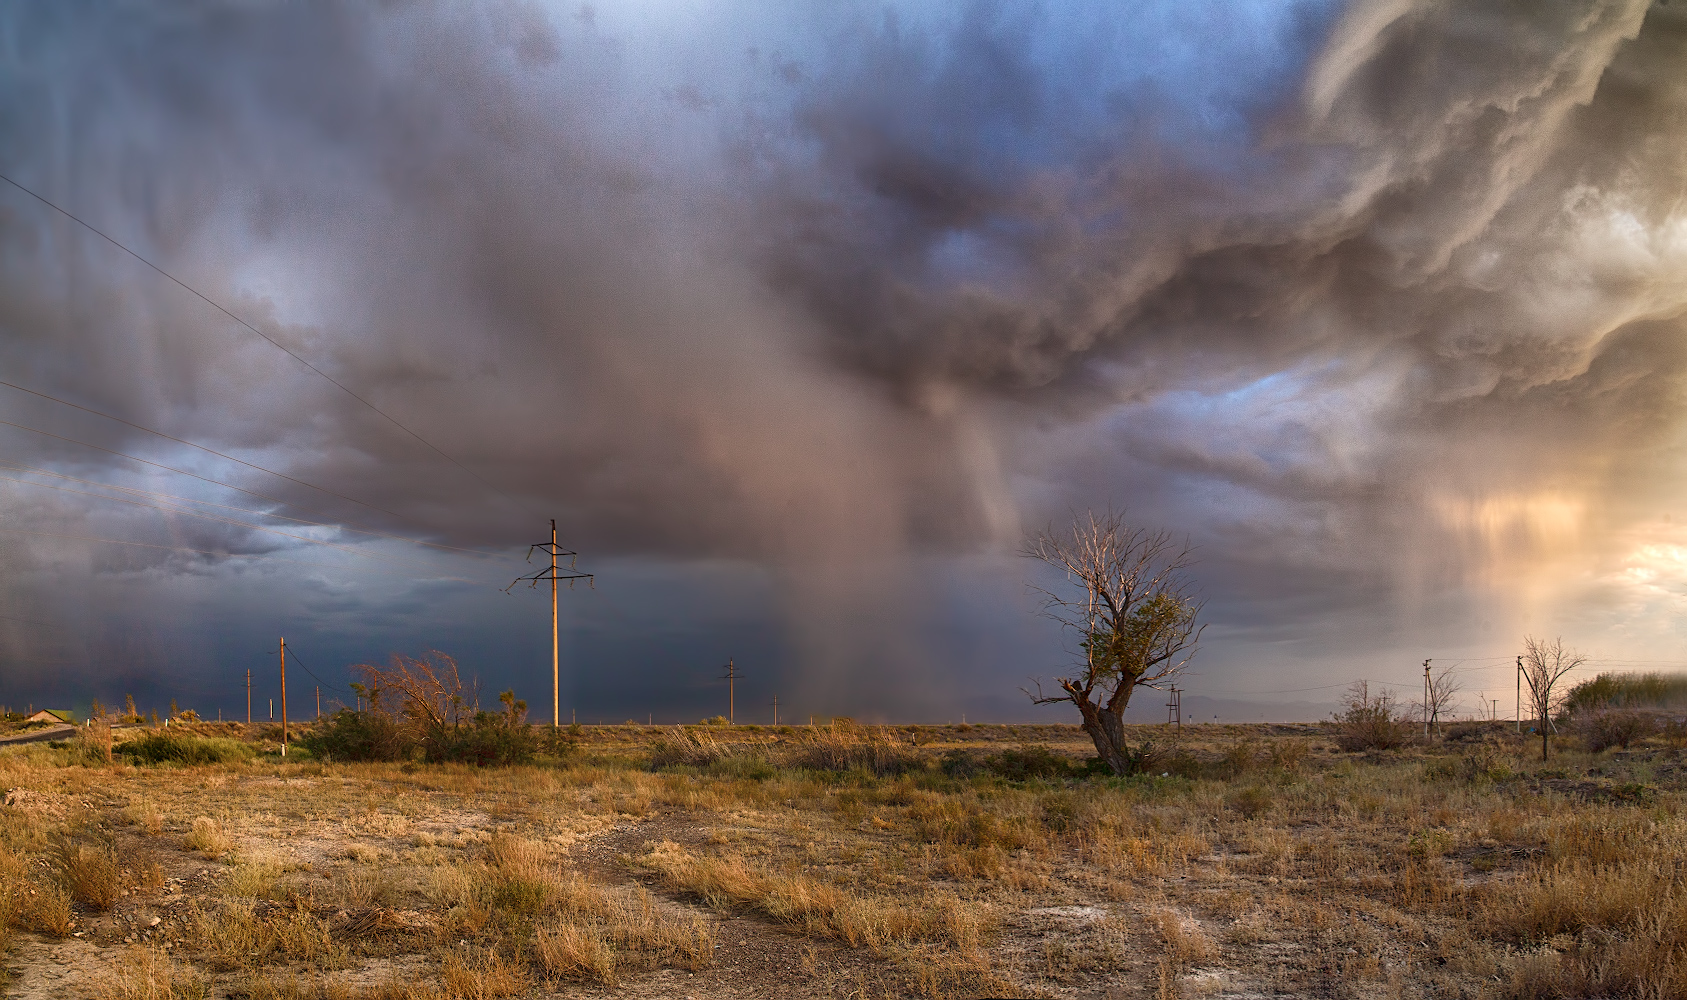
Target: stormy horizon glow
x,y
798,321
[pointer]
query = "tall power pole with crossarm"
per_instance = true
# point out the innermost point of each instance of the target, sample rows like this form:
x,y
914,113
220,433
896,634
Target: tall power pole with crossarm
x,y
553,573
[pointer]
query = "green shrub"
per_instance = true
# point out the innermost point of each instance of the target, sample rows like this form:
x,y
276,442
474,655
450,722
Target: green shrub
x,y
353,735
491,738
170,748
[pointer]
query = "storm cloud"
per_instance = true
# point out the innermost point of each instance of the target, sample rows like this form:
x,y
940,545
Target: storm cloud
x,y
798,320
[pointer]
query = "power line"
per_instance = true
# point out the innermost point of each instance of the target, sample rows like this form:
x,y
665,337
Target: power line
x,y
213,304
294,653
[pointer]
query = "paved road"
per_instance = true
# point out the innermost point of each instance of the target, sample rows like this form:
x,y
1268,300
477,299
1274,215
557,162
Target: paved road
x,y
38,735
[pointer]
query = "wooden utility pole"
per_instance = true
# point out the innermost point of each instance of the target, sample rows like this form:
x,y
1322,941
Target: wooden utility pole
x,y
776,710
1520,694
248,697
319,701
556,670
283,696
553,574
1426,699
731,677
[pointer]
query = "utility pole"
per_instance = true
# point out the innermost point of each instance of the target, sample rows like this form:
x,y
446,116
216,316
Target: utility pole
x,y
553,575
283,696
731,677
776,710
319,701
1426,699
1520,694
248,697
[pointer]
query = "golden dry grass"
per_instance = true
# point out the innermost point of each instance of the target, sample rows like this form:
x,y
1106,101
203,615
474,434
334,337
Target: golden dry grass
x,y
1250,861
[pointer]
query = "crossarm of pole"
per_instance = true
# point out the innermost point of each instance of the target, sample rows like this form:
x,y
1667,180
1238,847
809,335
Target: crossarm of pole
x,y
547,574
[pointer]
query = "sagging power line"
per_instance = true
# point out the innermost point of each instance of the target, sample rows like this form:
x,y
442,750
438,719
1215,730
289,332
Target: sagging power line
x,y
266,337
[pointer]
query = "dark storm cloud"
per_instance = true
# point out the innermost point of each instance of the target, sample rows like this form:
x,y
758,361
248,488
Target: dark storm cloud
x,y
1343,287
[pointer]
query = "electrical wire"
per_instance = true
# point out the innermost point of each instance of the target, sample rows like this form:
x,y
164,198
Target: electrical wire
x,y
226,312
291,653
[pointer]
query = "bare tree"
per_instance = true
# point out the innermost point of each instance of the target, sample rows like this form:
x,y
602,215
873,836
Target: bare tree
x,y
1134,613
429,690
1440,699
1544,664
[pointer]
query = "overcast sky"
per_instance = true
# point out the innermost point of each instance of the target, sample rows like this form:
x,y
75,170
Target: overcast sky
x,y
797,318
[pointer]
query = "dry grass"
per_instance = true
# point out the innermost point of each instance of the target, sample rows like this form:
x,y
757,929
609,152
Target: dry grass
x,y
148,974
1261,862
815,907
207,837
90,872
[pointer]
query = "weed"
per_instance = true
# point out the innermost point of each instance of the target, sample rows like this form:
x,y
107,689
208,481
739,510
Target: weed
x,y
149,974
170,748
207,837
89,871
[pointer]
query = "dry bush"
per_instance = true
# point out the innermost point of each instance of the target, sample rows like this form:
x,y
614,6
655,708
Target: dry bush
x,y
1370,722
1612,727
291,986
847,747
524,879
1186,944
149,974
483,977
93,741
572,950
90,872
146,816
681,747
207,837
955,822
233,935
815,907
49,909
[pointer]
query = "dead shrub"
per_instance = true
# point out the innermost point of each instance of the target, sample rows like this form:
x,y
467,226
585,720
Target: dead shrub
x,y
1186,944
524,880
90,872
1251,801
483,977
1612,727
815,907
149,974
681,747
48,910
571,950
207,837
844,746
93,742
1370,722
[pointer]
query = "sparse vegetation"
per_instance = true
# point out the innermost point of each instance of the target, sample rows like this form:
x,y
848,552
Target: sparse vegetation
x,y
991,861
1371,721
